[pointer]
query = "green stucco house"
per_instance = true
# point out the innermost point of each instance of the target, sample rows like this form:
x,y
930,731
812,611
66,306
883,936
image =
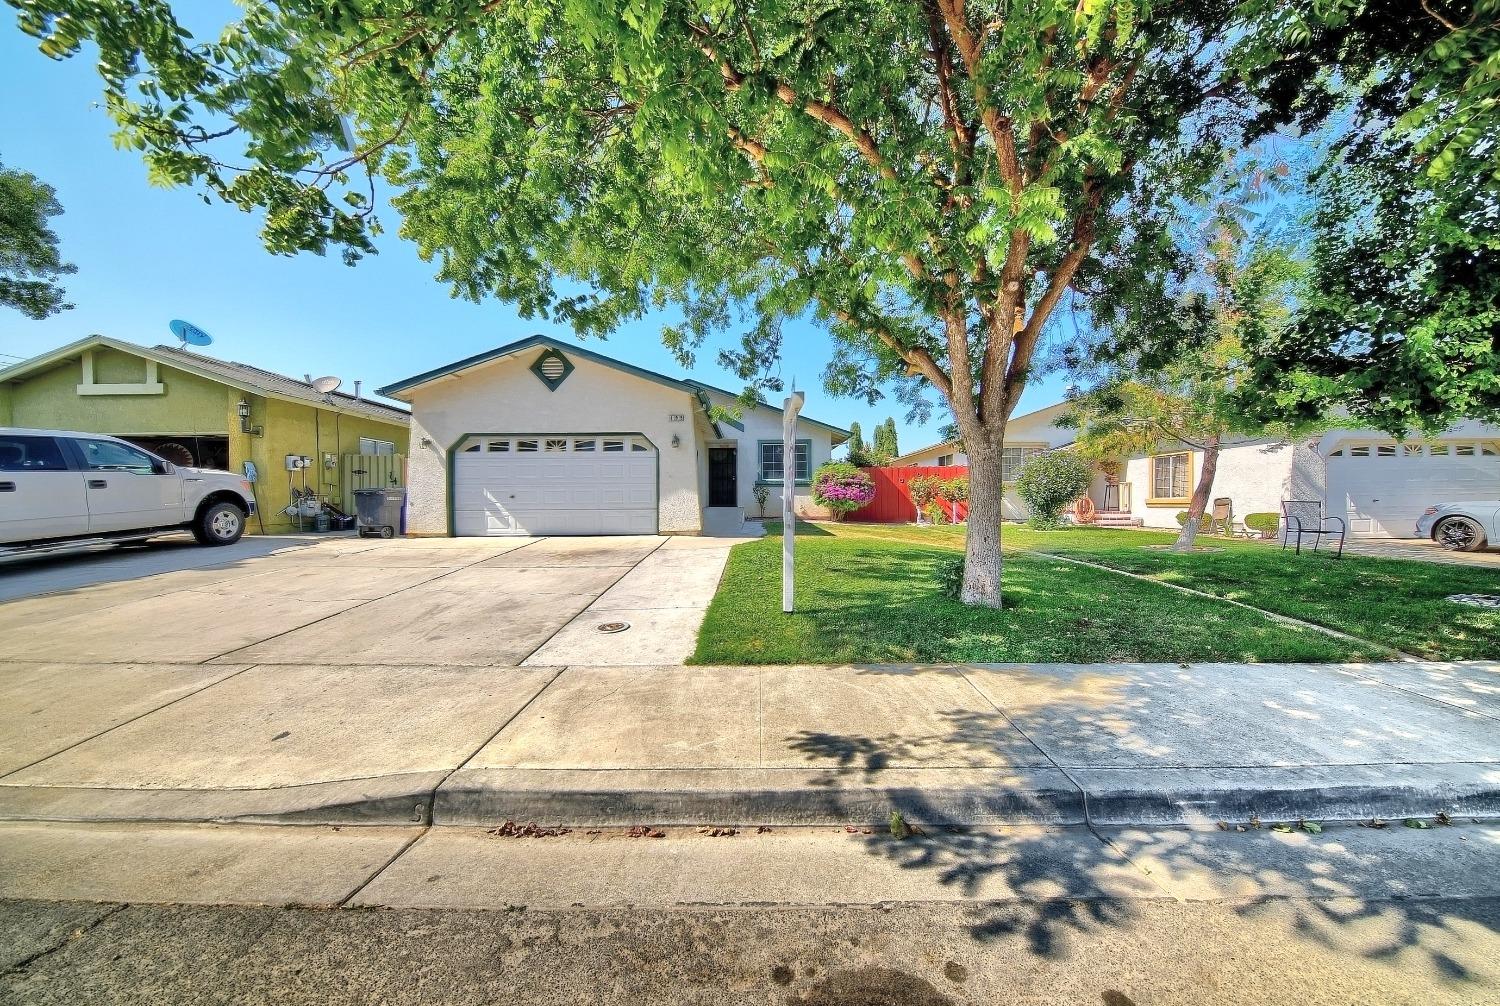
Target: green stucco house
x,y
197,410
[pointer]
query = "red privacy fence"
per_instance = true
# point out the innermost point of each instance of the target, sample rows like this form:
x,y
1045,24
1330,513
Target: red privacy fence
x,y
892,503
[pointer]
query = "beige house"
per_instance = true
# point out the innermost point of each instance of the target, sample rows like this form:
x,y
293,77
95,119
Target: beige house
x,y
1377,484
546,437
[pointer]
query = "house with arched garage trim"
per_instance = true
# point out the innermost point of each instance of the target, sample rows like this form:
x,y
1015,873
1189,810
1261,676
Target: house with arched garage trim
x,y
545,437
1378,484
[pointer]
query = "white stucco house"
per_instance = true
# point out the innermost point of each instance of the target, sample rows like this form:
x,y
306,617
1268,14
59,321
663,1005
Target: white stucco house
x,y
1378,485
546,437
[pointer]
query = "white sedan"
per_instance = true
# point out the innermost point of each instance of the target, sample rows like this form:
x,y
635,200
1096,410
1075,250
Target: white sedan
x,y
1462,527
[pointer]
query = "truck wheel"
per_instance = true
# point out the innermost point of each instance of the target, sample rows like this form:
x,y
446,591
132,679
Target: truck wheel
x,y
220,524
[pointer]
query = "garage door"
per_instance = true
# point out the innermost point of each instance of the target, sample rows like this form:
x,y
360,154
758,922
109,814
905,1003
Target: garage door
x,y
563,483
1381,487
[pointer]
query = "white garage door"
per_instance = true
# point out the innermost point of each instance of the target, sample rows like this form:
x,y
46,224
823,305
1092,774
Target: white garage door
x,y
1381,487
564,483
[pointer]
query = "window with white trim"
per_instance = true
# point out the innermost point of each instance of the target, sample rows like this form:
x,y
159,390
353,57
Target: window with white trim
x,y
1169,476
772,461
369,445
1012,458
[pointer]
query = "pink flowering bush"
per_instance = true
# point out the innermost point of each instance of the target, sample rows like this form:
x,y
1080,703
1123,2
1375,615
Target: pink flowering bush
x,y
842,488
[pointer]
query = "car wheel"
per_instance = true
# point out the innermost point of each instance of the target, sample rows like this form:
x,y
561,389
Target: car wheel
x,y
1459,534
387,532
220,524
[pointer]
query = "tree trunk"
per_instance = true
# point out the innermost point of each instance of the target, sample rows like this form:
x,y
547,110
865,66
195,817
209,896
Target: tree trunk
x,y
1200,496
982,560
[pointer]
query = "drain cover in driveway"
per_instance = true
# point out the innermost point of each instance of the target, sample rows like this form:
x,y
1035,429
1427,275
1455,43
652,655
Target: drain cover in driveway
x,y
1477,600
613,626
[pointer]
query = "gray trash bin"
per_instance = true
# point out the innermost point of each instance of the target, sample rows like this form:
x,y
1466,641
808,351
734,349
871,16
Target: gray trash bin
x,y
380,511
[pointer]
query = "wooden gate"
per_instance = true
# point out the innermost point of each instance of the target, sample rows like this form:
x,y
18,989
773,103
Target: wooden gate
x,y
892,503
369,471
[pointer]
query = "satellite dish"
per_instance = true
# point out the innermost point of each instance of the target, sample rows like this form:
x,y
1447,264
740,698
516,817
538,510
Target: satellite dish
x,y
190,334
326,385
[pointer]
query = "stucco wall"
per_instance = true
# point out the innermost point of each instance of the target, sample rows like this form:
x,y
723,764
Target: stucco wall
x,y
1255,475
764,423
50,400
294,428
504,396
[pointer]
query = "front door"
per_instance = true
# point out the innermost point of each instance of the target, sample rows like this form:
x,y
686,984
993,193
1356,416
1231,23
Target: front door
x,y
723,489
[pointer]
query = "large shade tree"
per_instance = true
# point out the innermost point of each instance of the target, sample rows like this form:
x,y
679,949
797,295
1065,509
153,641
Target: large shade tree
x,y
30,263
926,179
1400,319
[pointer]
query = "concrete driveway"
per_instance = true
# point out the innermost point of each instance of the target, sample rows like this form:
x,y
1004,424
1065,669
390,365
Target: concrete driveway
x,y
429,602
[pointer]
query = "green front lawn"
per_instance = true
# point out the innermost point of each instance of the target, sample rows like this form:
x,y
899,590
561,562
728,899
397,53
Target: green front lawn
x,y
868,594
871,596
1398,602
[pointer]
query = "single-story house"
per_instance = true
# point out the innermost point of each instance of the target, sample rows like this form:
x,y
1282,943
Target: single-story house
x,y
545,437
1377,484
197,410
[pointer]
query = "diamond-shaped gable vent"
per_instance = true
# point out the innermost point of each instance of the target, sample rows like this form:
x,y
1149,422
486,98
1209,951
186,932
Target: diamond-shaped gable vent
x,y
552,368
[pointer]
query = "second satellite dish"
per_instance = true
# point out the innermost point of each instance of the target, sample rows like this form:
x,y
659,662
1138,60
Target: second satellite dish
x,y
326,385
190,334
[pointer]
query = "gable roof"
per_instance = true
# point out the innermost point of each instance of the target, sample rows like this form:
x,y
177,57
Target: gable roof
x,y
252,380
839,434
697,389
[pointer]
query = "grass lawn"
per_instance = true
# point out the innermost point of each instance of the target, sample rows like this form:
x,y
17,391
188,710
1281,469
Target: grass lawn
x,y
1398,603
873,598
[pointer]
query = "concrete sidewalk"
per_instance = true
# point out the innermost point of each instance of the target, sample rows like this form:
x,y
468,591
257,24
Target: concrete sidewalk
x,y
974,745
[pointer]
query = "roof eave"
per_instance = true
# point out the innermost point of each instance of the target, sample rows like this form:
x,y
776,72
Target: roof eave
x,y
63,353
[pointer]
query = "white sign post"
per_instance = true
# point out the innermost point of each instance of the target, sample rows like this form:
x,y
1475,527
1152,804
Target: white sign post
x,y
789,412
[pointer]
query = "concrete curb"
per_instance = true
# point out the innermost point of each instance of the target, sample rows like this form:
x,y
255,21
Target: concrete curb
x,y
792,797
399,799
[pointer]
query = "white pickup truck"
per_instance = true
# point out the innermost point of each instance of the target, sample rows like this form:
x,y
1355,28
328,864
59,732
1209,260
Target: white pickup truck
x,y
60,489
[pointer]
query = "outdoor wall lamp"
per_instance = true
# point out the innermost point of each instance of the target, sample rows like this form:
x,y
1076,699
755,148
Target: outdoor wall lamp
x,y
243,408
676,440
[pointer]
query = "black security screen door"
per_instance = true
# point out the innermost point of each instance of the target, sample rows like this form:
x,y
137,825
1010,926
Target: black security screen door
x,y
721,477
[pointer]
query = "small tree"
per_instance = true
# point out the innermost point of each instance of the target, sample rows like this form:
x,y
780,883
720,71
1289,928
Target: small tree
x,y
762,495
856,444
923,490
953,492
1172,369
1049,482
885,440
842,488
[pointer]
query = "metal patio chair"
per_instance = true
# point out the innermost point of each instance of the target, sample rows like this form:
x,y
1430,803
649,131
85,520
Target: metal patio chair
x,y
1305,518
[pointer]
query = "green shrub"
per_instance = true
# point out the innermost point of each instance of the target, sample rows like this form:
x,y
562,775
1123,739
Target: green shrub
x,y
841,487
1049,482
1266,523
950,576
762,495
1206,523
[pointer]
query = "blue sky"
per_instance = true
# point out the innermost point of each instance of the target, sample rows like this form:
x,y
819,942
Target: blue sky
x,y
147,255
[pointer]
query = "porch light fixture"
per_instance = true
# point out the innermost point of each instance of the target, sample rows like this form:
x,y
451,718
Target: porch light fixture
x,y
676,440
243,408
